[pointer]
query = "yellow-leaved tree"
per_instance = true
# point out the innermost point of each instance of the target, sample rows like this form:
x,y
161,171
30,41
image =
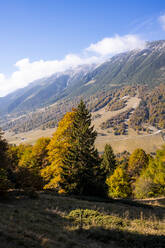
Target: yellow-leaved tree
x,y
118,184
138,161
57,149
27,162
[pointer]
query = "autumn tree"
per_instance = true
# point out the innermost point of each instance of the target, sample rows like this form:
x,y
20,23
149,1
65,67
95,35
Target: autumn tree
x,y
137,162
152,180
57,149
119,184
40,153
14,154
26,159
81,166
30,162
144,187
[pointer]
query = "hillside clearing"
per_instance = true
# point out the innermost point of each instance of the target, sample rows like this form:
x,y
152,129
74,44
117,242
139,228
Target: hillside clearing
x,y
133,102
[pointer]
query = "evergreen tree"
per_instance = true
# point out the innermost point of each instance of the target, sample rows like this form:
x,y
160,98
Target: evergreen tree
x,y
3,152
108,164
4,182
81,167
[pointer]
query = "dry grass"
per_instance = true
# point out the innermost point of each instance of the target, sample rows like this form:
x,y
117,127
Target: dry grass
x,y
149,143
54,221
28,137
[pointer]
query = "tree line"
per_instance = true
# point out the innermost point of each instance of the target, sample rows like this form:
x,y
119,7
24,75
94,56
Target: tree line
x,y
70,164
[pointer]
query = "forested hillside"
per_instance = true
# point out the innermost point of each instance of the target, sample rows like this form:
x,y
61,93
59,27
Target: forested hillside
x,y
150,111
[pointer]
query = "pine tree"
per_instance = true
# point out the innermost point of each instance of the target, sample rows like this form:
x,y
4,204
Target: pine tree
x,y
108,164
4,164
81,165
3,152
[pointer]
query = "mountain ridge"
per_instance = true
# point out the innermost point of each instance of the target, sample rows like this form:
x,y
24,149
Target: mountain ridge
x,y
146,66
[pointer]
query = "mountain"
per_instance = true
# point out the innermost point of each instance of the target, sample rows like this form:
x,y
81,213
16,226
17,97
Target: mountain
x,y
43,91
145,66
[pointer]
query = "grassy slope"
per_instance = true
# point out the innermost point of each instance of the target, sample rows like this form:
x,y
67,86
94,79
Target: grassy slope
x,y
45,222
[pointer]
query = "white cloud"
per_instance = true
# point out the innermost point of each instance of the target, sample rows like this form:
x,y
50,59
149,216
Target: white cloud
x,y
27,71
117,44
162,21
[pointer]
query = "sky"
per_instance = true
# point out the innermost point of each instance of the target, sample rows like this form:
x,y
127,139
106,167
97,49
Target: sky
x,y
41,37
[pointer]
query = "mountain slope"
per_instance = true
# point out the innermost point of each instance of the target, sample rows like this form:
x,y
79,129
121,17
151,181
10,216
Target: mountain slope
x,y
42,92
145,66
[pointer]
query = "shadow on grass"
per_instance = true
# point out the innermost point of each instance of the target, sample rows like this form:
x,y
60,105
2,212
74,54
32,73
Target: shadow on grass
x,y
125,239
40,223
136,209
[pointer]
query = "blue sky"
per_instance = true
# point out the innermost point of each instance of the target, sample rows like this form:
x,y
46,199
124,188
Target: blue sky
x,y
49,30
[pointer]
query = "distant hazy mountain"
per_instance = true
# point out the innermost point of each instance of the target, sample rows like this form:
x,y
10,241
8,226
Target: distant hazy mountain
x,y
145,66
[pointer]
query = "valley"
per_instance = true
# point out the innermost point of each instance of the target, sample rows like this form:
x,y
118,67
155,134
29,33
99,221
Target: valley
x,y
131,141
148,142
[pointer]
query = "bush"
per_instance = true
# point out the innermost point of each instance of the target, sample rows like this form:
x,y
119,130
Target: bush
x,y
87,217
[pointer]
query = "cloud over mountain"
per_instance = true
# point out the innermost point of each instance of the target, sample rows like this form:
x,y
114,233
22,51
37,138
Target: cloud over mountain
x,y
27,71
162,21
117,44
